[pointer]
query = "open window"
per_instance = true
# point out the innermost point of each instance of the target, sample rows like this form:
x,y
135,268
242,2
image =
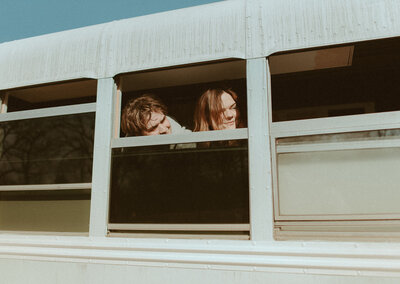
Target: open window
x,y
336,137
46,150
185,184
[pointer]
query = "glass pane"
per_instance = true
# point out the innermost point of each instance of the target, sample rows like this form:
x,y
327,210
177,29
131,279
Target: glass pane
x,y
184,183
359,181
356,79
51,95
17,104
52,211
47,150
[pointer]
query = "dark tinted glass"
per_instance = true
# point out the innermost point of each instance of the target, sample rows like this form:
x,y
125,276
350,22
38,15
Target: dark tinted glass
x,y
16,104
370,84
203,183
47,150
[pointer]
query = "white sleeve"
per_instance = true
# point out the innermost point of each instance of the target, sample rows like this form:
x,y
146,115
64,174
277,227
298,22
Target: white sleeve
x,y
176,128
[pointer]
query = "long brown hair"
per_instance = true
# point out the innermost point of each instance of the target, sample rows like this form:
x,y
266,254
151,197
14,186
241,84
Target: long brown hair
x,y
207,115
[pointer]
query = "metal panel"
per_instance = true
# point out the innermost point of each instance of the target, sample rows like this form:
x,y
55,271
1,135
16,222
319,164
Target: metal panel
x,y
259,150
292,24
66,55
167,235
180,227
106,90
197,34
349,123
48,112
190,137
337,185
34,187
207,257
223,30
333,146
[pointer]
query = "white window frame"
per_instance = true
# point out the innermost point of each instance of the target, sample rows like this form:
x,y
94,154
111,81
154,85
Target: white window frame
x,y
259,152
44,113
113,100
260,159
190,137
332,125
346,226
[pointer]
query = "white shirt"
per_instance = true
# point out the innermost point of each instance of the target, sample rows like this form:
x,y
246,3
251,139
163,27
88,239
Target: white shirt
x,y
176,128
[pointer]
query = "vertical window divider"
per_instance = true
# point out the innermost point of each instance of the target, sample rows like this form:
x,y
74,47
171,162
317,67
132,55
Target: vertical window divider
x,y
105,107
258,93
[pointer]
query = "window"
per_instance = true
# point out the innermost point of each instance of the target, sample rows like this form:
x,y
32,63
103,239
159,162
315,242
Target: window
x,y
52,95
46,158
187,184
335,132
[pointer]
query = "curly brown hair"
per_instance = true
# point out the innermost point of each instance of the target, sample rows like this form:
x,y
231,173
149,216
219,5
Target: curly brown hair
x,y
137,113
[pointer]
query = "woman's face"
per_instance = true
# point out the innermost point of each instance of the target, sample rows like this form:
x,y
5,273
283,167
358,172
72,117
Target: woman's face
x,y
228,115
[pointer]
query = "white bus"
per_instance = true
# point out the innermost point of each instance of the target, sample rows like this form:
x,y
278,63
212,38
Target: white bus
x,y
307,192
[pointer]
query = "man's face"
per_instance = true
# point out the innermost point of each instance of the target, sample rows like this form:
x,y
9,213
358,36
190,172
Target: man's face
x,y
157,124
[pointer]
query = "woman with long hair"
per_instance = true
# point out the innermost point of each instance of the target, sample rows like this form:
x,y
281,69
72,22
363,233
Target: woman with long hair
x,y
216,109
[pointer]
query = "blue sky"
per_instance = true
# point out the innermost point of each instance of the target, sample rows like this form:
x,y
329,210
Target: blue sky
x,y
27,18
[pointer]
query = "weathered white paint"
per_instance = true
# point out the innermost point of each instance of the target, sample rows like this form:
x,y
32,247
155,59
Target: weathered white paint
x,y
28,271
261,217
190,35
227,29
338,258
292,24
106,95
53,57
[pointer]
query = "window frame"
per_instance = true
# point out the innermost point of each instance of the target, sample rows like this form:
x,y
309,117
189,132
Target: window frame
x,y
189,137
332,125
259,153
330,226
44,113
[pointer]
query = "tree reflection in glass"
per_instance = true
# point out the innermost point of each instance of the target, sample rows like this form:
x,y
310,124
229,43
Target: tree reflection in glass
x,y
47,150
